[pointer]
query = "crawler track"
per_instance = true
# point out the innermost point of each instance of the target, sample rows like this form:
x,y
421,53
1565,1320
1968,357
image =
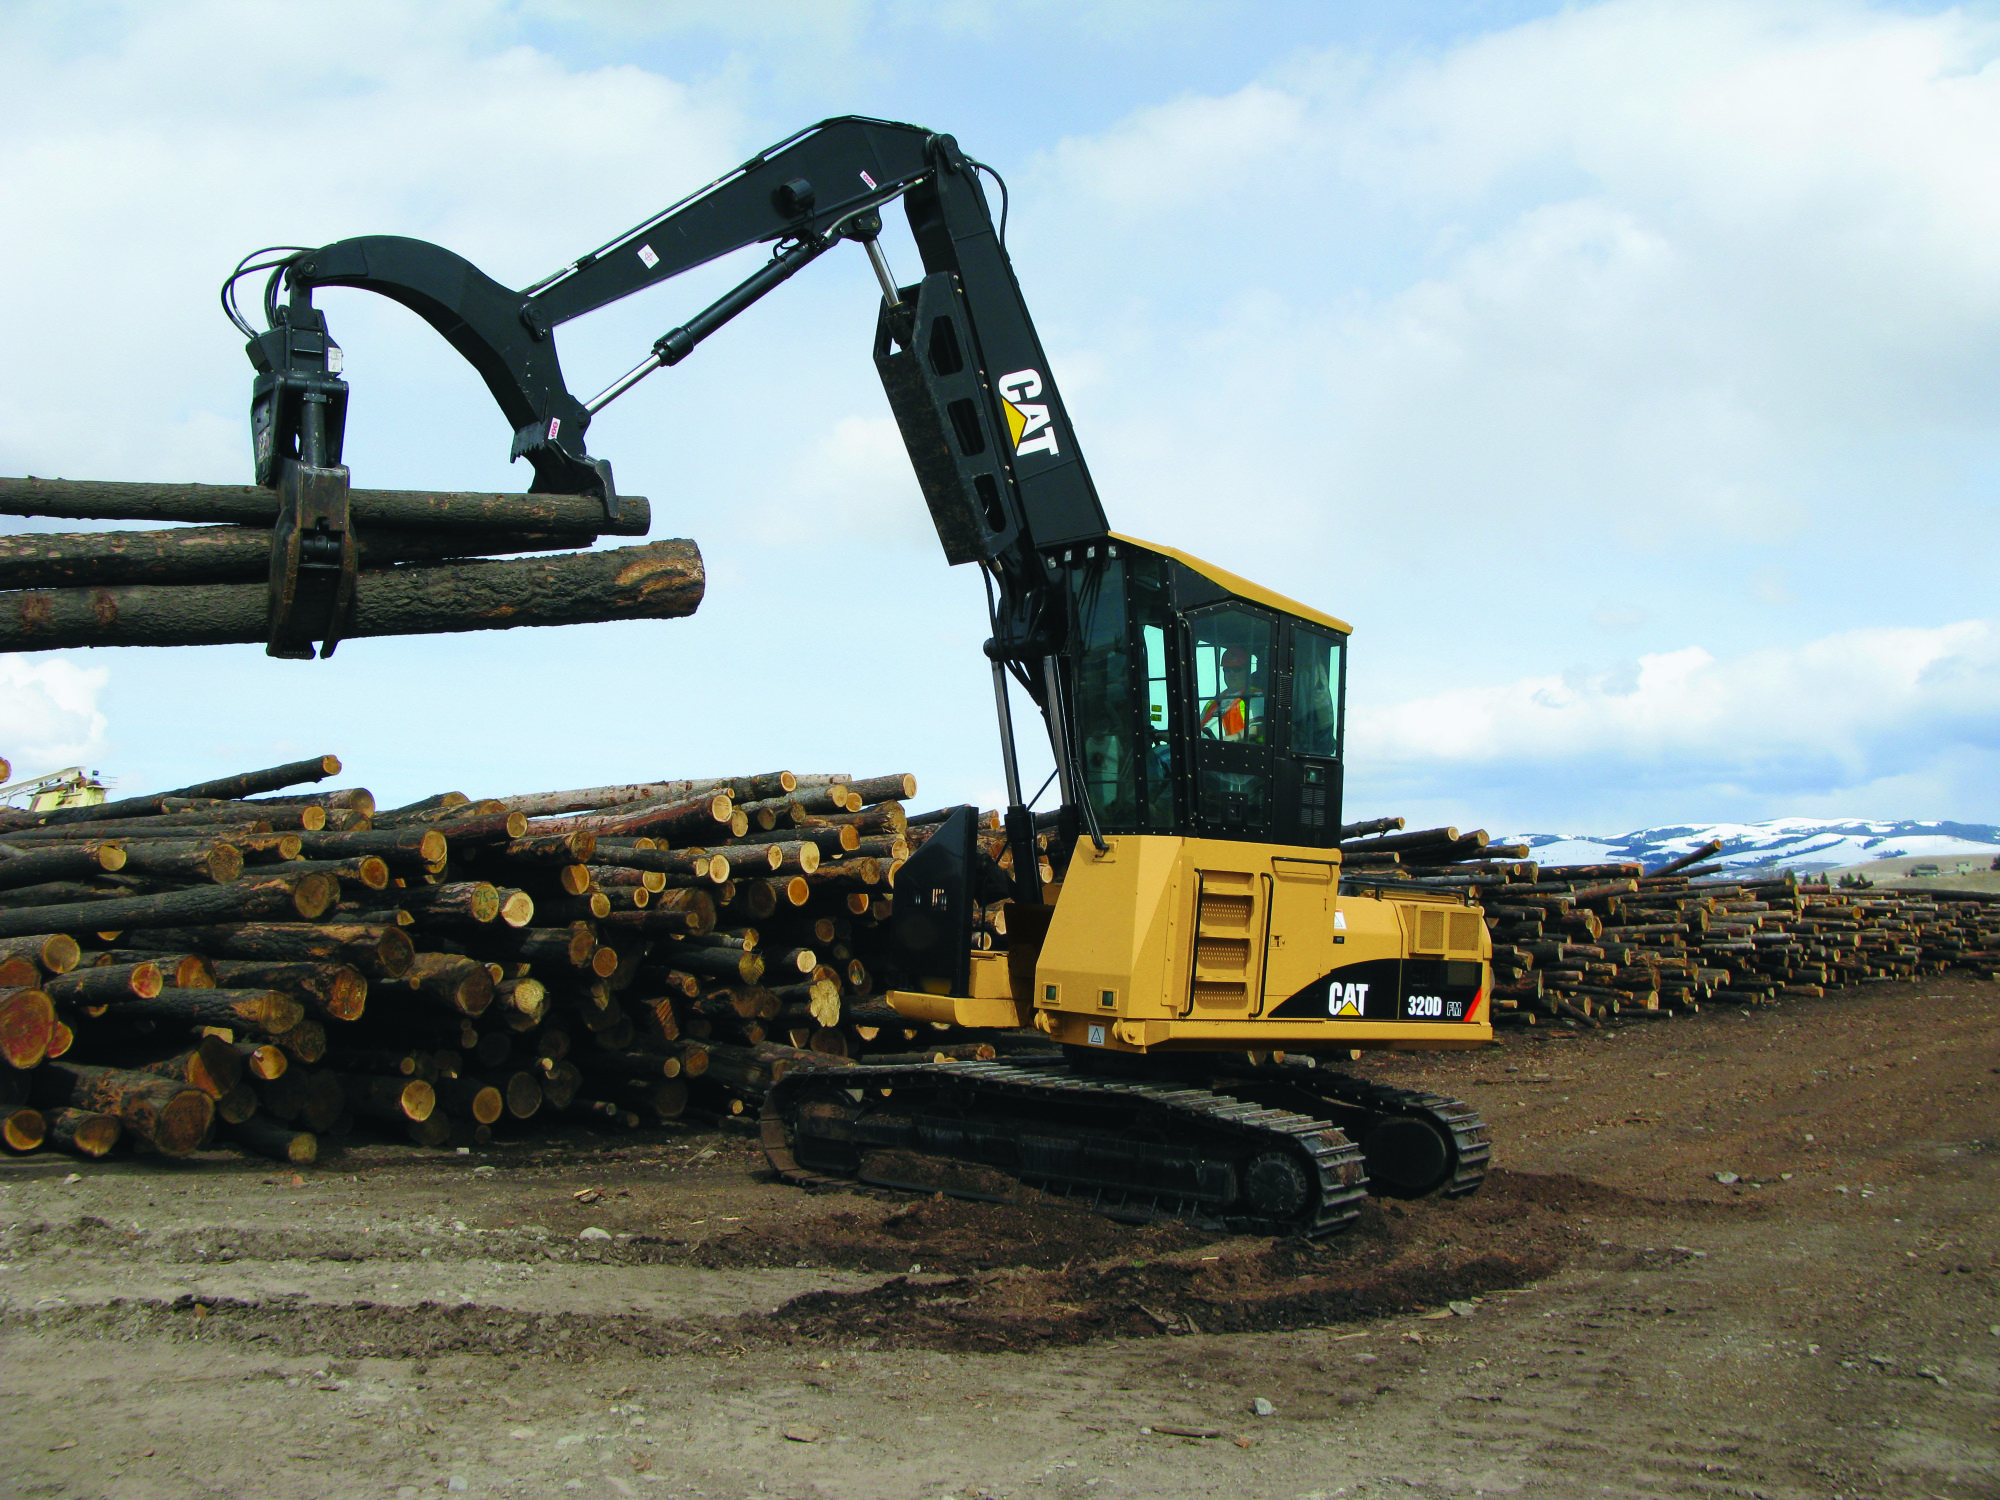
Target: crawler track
x,y
1138,1149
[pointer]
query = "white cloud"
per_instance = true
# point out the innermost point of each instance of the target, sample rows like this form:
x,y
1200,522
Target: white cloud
x,y
1641,290
1831,723
49,716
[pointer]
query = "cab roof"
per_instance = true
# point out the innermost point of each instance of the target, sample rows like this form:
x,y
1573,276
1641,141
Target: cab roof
x,y
1242,587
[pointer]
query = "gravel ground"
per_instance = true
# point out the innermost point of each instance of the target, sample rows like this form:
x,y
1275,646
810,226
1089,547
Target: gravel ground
x,y
1737,1254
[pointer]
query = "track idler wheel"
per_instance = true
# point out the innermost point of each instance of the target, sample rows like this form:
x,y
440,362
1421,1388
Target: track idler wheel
x,y
1276,1186
1407,1157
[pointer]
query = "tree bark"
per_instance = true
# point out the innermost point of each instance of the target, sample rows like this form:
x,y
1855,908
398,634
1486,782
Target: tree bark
x,y
1364,829
240,785
181,971
552,849
401,847
266,1011
107,984
308,896
230,554
67,861
252,505
379,952
575,945
604,798
696,814
661,580
211,862
474,901
872,789
170,1117
1398,841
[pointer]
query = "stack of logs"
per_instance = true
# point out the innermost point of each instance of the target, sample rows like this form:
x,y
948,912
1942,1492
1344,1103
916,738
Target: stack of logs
x,y
1579,942
233,960
424,565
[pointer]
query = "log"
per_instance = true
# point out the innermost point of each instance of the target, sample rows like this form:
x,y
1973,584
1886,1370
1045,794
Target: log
x,y
211,1065
832,839
379,952
261,896
472,901
267,1137
181,971
523,1095
51,952
230,554
1396,841
305,1041
872,789
692,814
730,966
552,849
263,1062
333,991
68,861
601,798
397,1100
107,984
170,1117
1694,857
325,1102
458,984
616,877
1364,829
22,1129
83,1132
695,864
19,974
401,847
661,580
252,505
265,1011
240,785
27,1027
575,945
470,1098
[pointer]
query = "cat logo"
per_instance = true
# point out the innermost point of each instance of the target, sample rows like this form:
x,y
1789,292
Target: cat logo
x,y
1347,1000
1027,421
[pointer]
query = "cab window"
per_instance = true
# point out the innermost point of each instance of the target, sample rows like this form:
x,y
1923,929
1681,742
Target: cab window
x,y
1232,676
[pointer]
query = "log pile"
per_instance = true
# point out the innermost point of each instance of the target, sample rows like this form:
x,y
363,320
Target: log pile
x,y
245,961
428,564
1580,942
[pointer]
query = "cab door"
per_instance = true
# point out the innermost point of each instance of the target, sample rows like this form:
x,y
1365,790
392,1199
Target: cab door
x,y
1233,719
1309,694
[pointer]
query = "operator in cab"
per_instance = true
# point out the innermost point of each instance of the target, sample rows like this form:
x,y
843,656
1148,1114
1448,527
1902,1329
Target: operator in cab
x,y
1235,714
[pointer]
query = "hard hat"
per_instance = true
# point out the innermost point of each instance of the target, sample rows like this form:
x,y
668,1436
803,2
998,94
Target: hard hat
x,y
1235,657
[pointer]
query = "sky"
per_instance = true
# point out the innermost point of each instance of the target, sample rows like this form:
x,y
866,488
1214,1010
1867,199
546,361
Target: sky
x,y
1625,373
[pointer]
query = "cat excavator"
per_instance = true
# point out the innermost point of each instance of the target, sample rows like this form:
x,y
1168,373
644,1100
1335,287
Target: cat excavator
x,y
1199,954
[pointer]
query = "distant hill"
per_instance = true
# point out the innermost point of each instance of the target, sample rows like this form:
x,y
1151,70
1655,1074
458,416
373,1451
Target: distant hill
x,y
1802,844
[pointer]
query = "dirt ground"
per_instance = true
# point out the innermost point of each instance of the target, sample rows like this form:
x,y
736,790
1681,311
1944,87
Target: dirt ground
x,y
1605,1318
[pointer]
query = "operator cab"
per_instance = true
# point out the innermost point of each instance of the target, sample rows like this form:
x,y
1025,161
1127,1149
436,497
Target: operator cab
x,y
1205,705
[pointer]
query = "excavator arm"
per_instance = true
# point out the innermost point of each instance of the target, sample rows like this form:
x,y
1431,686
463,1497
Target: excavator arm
x,y
964,369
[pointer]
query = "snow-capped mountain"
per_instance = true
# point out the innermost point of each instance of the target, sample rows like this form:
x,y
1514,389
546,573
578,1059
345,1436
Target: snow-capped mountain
x,y
1801,844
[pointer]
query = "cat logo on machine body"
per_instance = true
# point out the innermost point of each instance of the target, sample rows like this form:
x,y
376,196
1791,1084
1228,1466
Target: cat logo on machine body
x,y
1028,421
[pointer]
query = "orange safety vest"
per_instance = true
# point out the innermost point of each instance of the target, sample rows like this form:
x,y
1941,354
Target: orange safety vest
x,y
1234,713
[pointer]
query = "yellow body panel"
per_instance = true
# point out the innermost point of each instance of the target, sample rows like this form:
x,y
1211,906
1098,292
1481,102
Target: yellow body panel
x,y
1161,942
